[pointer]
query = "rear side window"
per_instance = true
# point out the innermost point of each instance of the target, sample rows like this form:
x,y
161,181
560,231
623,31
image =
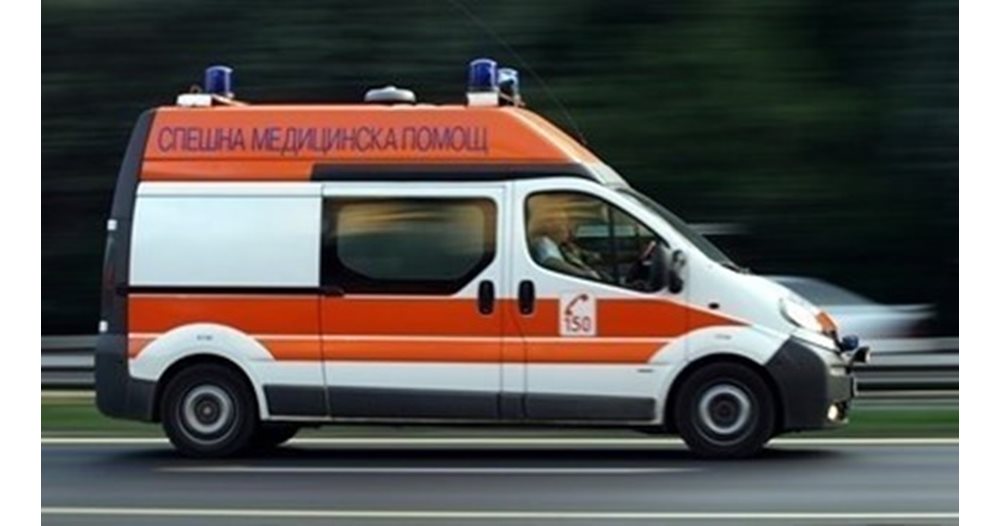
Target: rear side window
x,y
232,241
406,245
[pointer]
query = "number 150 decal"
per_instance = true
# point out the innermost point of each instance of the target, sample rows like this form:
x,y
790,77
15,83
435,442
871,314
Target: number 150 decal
x,y
577,314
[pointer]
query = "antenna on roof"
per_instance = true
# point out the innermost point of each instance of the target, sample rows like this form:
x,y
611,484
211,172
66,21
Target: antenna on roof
x,y
524,64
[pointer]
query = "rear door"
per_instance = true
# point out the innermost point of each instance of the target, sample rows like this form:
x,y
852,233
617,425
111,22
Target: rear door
x,y
410,278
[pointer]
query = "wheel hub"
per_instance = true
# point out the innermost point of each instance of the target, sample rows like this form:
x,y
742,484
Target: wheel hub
x,y
724,409
207,410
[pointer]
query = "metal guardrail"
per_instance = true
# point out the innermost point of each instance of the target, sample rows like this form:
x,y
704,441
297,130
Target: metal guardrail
x,y
68,362
912,364
907,365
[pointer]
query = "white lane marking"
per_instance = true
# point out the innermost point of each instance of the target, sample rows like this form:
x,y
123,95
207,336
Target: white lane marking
x,y
519,441
509,515
423,471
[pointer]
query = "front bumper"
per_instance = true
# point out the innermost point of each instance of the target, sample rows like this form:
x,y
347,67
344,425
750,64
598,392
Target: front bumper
x,y
815,386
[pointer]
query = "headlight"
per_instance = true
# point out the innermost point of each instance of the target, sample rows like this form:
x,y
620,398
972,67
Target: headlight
x,y
801,314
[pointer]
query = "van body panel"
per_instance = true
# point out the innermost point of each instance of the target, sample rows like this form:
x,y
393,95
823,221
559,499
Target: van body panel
x,y
747,341
379,263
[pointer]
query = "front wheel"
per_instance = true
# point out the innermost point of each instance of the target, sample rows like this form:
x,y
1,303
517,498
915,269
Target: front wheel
x,y
208,411
725,410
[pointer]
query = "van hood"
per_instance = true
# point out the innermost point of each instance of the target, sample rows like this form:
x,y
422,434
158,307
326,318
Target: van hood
x,y
758,300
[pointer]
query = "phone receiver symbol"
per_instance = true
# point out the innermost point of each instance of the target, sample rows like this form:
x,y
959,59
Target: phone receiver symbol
x,y
579,299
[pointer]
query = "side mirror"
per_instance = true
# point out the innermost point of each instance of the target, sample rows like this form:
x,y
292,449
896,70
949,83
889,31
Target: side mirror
x,y
675,271
666,269
659,264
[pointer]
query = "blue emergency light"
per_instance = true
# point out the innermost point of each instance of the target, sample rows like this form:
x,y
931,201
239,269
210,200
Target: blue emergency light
x,y
219,81
510,84
482,75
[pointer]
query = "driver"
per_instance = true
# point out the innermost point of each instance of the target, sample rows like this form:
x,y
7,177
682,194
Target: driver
x,y
550,232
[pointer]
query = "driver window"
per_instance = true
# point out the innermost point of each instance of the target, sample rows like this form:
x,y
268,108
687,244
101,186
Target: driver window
x,y
583,236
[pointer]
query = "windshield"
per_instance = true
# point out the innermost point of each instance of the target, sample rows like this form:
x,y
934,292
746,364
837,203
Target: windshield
x,y
696,239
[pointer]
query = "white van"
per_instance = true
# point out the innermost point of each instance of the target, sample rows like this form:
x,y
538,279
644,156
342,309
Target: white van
x,y
273,267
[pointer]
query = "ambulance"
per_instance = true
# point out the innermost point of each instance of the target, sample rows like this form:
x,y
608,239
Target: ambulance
x,y
273,267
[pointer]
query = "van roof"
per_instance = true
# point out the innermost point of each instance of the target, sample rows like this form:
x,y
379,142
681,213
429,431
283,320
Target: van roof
x,y
294,142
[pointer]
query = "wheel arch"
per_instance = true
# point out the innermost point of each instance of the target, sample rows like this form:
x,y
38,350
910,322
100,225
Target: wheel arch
x,y
192,360
186,344
720,357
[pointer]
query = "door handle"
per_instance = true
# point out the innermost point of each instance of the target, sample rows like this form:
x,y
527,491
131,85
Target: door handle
x,y
526,297
487,297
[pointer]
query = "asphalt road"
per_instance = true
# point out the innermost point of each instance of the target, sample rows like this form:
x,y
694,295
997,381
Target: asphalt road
x,y
317,483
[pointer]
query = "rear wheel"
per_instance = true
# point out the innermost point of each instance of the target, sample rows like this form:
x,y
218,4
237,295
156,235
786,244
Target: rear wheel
x,y
725,410
208,411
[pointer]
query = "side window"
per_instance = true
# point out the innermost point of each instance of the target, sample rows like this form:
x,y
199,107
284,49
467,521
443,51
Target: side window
x,y
406,245
586,237
225,241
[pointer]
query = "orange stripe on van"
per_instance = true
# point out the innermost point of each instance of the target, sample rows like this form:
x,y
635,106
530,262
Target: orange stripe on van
x,y
137,344
593,351
624,318
255,314
414,351
289,327
461,317
308,349
227,170
579,350
280,348
408,316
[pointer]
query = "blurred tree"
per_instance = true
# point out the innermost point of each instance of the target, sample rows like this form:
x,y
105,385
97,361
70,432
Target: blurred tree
x,y
828,127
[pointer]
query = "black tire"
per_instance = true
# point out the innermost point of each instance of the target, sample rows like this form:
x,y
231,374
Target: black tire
x,y
270,436
208,410
725,410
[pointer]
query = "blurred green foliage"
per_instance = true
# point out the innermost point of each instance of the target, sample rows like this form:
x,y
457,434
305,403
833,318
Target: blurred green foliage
x,y
829,128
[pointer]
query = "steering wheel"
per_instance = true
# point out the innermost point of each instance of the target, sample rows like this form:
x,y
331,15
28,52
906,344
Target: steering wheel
x,y
635,270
